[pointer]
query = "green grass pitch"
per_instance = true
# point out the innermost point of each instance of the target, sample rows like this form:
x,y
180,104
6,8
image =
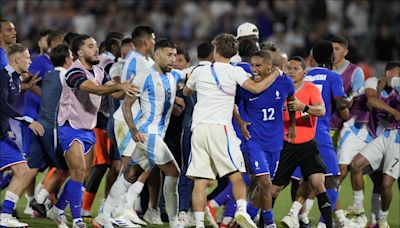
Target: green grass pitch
x,y
281,207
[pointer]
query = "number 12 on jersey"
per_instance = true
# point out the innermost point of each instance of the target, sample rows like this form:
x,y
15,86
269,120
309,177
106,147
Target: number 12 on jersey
x,y
269,114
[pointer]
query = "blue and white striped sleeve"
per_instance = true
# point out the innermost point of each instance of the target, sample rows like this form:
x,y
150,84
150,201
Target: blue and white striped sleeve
x,y
357,80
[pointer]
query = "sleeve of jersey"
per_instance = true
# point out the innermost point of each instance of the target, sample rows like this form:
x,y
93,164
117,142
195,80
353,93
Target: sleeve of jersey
x,y
191,82
116,70
178,75
75,77
371,83
8,109
315,95
131,69
34,68
337,86
140,81
357,80
240,76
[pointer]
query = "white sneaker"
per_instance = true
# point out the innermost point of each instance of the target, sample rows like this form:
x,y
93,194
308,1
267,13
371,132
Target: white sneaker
x,y
102,221
353,211
121,222
347,223
11,222
28,210
244,220
176,224
321,225
183,218
360,220
57,218
153,217
290,221
79,224
131,215
382,223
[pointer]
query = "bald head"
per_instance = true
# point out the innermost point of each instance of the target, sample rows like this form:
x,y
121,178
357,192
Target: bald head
x,y
279,58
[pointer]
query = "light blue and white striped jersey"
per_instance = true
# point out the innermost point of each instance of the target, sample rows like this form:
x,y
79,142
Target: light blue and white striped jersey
x,y
156,100
135,64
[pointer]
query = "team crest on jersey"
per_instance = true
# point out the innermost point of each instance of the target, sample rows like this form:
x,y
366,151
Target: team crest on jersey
x,y
256,164
277,94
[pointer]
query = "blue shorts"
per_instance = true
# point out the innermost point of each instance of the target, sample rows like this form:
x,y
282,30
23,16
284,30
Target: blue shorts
x,y
67,135
328,154
9,153
260,160
43,153
27,136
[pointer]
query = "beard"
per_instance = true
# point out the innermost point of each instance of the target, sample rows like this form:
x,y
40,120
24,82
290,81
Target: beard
x,y
92,61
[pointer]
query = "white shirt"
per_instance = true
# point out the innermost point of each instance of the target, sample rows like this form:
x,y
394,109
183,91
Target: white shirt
x,y
215,106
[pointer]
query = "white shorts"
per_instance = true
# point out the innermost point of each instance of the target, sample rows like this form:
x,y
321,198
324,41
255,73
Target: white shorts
x,y
215,150
350,144
152,152
385,149
126,145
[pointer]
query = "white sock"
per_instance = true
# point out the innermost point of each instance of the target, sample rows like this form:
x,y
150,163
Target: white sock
x,y
29,198
383,214
170,191
38,188
114,197
358,199
375,207
309,205
133,192
42,196
214,203
295,209
227,220
340,215
199,216
304,218
241,205
10,196
58,210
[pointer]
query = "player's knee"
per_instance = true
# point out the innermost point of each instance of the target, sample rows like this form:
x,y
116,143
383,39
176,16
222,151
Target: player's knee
x,y
332,182
264,182
22,171
387,183
275,191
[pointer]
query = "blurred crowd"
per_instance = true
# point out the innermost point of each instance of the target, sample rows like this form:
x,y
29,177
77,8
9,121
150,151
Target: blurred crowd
x,y
371,27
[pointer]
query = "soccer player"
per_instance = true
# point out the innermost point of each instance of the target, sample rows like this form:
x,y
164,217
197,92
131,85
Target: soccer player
x,y
383,150
79,104
43,150
137,62
265,134
185,185
8,36
156,99
10,156
215,147
302,150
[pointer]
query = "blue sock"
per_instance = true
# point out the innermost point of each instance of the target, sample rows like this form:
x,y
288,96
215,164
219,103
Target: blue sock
x,y
333,196
268,217
5,180
225,195
10,200
75,198
62,200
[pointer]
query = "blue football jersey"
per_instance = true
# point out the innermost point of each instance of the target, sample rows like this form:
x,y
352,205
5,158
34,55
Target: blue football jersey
x,y
331,86
265,112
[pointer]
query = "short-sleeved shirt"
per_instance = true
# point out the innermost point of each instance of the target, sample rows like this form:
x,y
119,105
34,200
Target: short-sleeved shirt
x,y
306,124
215,103
331,86
265,112
157,95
